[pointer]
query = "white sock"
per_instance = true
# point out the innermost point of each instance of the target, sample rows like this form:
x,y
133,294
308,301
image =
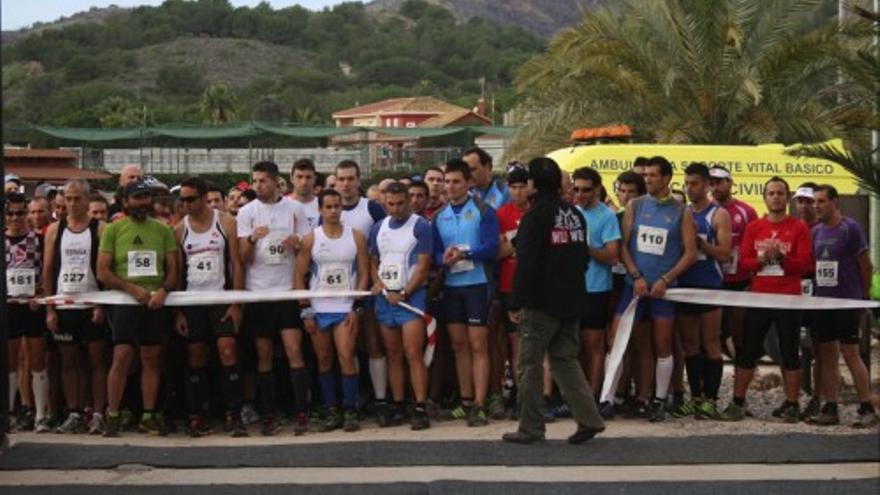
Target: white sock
x,y
41,392
663,375
379,376
13,389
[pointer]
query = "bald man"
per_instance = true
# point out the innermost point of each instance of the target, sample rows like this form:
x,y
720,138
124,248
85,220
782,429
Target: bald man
x,y
128,174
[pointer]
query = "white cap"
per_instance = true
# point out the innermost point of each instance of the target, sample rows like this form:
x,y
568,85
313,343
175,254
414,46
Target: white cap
x,y
804,192
719,173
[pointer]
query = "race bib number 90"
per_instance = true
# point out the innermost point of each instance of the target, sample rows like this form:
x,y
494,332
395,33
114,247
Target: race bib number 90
x,y
275,251
142,264
652,240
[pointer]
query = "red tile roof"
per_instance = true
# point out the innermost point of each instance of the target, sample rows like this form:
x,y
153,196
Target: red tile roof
x,y
417,104
38,153
53,173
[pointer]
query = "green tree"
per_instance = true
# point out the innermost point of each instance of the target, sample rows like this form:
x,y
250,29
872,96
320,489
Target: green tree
x,y
685,71
116,111
181,79
218,105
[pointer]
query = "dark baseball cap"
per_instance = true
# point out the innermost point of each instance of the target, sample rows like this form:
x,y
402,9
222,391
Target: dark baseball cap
x,y
137,189
517,175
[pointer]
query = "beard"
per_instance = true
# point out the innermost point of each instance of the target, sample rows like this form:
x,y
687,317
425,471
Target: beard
x,y
139,213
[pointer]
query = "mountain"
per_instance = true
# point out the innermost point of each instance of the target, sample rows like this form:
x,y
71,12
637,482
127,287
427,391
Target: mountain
x,y
95,15
540,17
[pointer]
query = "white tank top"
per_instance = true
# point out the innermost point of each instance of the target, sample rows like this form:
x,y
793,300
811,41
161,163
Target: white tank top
x,y
359,217
205,256
396,259
334,263
75,274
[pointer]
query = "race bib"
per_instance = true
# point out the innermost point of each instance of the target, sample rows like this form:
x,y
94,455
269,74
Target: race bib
x,y
618,269
826,273
652,240
391,275
701,255
21,282
203,267
731,265
771,270
462,265
142,264
74,279
276,252
333,278
806,287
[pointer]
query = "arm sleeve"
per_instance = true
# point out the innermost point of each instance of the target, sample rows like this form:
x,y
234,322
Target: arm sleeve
x,y
376,210
610,231
424,237
243,223
529,247
748,259
438,246
488,248
801,261
108,239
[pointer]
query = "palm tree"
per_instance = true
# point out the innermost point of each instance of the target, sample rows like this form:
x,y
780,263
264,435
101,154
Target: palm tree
x,y
685,71
859,92
218,105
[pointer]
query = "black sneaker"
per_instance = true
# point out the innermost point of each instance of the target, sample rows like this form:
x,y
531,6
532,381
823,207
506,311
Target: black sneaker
x,y
606,410
270,426
639,410
420,419
657,411
233,425
521,438
383,414
334,420
777,413
584,433
112,426
396,416
197,427
26,419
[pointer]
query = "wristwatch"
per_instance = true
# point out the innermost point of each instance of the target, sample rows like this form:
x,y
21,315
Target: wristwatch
x,y
635,275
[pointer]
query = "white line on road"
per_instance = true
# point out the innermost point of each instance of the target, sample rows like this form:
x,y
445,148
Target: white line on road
x,y
145,475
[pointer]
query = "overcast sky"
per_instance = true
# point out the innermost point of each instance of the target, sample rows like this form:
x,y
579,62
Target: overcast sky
x,y
21,13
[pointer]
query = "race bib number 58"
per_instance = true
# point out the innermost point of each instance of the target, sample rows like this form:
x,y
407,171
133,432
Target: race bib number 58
x,y
142,264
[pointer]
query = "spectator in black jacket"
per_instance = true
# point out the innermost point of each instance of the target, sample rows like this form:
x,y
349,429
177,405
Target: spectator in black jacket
x,y
548,296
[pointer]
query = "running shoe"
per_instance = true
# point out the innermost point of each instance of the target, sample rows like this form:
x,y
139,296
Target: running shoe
x,y
497,408
350,421
791,413
827,418
777,413
682,408
44,425
25,420
733,412
383,414
249,414
420,420
657,410
151,425
270,426
458,413
73,424
127,421
562,410
96,424
301,426
867,419
233,425
112,425
707,410
197,427
477,417
638,410
606,410
812,411
334,420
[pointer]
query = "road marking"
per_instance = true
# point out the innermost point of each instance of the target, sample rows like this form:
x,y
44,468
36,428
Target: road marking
x,y
146,475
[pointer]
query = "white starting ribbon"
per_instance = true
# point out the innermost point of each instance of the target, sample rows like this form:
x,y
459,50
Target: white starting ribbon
x,y
713,297
196,298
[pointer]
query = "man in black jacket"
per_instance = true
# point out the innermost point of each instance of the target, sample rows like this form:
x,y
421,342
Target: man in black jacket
x,y
548,296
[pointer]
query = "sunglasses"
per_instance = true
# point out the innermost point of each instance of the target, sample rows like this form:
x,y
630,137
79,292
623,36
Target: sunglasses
x,y
582,189
189,199
19,213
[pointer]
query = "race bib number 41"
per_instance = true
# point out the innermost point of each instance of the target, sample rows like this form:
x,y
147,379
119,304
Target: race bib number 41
x,y
203,267
142,264
652,240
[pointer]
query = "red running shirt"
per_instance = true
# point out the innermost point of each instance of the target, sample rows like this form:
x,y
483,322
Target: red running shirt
x,y
793,239
508,222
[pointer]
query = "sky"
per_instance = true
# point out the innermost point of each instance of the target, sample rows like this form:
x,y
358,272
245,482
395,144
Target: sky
x,y
17,14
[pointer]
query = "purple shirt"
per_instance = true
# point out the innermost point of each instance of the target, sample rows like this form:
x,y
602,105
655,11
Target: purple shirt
x,y
841,244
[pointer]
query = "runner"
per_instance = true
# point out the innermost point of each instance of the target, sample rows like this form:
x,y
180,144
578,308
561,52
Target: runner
x,y
700,324
465,244
418,197
361,214
735,277
209,249
137,255
778,250
336,256
843,269
659,244
269,232
216,198
509,217
490,190
603,239
70,261
98,206
434,177
302,176
400,250
25,320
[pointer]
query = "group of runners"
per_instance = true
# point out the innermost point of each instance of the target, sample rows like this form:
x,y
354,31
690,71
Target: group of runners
x,y
441,243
